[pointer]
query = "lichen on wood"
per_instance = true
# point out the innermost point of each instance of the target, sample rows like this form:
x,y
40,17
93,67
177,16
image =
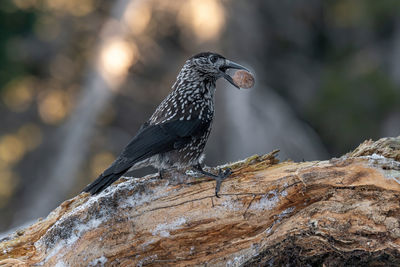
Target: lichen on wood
x,y
344,211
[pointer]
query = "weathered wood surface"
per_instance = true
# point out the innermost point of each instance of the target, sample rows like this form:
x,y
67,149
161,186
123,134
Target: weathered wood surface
x,y
344,211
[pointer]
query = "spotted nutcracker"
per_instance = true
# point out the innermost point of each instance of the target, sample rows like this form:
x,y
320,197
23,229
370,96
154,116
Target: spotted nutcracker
x,y
177,132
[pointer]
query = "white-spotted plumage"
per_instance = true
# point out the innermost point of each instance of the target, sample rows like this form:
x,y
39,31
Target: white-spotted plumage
x,y
192,97
177,132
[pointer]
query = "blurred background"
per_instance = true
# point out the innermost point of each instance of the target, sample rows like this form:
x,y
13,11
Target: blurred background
x,y
78,77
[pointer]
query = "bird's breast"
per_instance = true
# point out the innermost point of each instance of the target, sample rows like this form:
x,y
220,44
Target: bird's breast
x,y
184,107
189,155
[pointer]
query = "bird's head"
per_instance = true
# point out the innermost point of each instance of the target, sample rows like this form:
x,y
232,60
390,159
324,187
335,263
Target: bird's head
x,y
213,65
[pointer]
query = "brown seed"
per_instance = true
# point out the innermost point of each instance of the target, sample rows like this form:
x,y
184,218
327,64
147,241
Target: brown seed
x,y
243,79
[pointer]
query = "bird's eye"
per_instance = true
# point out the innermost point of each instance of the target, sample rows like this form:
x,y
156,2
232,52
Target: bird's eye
x,y
213,59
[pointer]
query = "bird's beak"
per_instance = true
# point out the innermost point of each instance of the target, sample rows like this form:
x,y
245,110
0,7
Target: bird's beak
x,y
231,65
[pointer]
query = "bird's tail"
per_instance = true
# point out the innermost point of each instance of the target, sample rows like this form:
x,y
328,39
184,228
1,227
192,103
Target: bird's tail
x,y
101,183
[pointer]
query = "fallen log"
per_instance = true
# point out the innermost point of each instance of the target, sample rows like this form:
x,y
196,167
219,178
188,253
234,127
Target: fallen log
x,y
344,211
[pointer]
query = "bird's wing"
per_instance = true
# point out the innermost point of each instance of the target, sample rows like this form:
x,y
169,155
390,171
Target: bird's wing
x,y
155,139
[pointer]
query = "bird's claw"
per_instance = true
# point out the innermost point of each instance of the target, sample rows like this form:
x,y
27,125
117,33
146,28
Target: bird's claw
x,y
222,175
225,173
161,174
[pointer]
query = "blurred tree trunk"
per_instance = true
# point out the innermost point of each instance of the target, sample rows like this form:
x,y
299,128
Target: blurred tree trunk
x,y
344,211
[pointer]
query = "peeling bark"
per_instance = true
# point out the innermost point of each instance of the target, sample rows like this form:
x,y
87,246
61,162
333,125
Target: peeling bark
x,y
344,211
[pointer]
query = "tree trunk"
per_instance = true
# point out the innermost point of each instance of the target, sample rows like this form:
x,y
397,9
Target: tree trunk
x,y
344,211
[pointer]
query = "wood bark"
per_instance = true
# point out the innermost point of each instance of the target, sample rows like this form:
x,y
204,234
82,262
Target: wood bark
x,y
340,212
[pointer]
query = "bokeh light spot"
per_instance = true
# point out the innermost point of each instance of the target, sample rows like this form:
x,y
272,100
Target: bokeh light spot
x,y
53,106
204,17
117,55
73,7
12,149
31,135
81,8
17,95
8,183
26,4
137,17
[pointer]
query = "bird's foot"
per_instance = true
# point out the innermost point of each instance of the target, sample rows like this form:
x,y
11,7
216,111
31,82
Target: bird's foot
x,y
161,174
222,175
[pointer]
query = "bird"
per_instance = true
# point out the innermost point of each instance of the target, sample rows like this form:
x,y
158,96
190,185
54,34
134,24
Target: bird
x,y
176,133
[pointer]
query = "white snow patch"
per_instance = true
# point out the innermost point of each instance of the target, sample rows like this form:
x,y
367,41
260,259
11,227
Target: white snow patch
x,y
376,156
392,167
279,219
163,229
98,262
142,198
267,202
237,261
111,190
231,204
61,264
78,231
256,248
81,226
128,185
285,212
136,200
54,251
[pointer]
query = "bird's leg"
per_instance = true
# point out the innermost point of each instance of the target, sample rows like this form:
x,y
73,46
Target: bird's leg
x,y
161,173
222,175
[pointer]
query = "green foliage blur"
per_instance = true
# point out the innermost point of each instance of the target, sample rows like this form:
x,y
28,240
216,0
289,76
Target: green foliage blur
x,y
15,23
358,89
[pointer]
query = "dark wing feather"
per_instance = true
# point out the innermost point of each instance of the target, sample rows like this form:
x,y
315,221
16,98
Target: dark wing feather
x,y
155,139
149,141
